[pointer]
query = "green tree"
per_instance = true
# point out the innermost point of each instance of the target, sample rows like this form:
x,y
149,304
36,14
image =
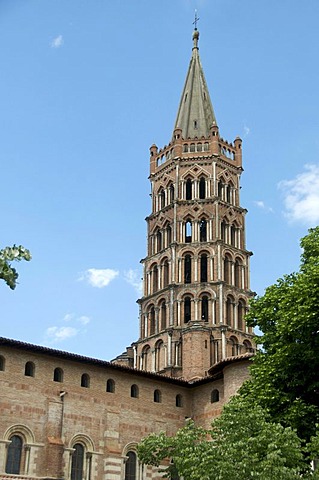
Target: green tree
x,y
8,255
284,373
242,444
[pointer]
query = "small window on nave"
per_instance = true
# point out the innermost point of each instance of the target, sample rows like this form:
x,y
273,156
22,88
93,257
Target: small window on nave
x,y
29,369
85,380
110,386
58,375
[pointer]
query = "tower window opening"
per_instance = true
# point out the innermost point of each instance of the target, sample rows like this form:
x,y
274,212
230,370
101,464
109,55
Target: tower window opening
x,y
233,235
188,231
152,321
205,308
159,240
223,230
165,273
227,269
187,269
202,188
163,316
162,198
229,310
192,147
199,147
195,124
172,193
187,309
155,279
185,148
206,147
169,235
189,185
238,270
241,314
203,267
203,231
228,193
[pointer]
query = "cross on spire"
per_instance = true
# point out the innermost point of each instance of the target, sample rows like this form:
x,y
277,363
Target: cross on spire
x,y
196,20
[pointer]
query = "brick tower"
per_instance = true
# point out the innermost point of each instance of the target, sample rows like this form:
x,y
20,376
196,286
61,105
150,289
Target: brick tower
x,y
196,272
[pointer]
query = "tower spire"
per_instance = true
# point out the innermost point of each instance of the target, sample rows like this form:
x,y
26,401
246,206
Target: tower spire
x,y
195,115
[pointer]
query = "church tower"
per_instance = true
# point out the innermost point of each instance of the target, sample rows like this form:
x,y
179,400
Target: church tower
x,y
196,272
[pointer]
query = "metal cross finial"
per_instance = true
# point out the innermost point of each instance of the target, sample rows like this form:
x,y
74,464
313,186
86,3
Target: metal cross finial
x,y
196,20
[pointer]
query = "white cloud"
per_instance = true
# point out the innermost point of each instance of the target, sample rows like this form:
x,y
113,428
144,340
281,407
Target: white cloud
x,y
133,277
246,130
57,42
261,204
301,196
99,277
84,320
58,334
71,317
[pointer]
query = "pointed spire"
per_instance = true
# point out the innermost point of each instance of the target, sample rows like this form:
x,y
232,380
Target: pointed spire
x,y
195,114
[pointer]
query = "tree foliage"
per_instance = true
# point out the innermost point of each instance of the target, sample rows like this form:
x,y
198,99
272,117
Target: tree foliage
x,y
8,255
242,444
285,371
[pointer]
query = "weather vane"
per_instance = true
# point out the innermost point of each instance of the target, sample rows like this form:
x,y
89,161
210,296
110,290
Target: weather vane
x,y
196,20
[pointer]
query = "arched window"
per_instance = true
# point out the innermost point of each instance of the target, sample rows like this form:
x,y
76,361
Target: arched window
x,y
172,193
159,356
247,346
203,231
29,369
214,396
229,310
192,145
179,400
130,466
169,235
134,391
233,235
157,396
163,316
227,269
161,195
238,270
2,363
77,462
145,357
110,385
203,267
202,188
155,278
241,313
187,269
187,309
223,230
228,192
85,380
234,346
189,185
165,273
58,375
220,189
188,231
14,455
152,321
205,308
159,240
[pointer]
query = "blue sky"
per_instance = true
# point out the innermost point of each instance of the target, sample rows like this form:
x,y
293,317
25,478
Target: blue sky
x,y
86,87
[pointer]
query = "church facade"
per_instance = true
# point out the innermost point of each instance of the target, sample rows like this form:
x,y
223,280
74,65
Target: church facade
x,y
65,416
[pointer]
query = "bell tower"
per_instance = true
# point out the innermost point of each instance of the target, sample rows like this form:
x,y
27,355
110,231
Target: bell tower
x,y
196,272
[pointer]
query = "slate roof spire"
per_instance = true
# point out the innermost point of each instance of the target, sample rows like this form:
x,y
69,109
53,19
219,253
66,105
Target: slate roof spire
x,y
195,115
